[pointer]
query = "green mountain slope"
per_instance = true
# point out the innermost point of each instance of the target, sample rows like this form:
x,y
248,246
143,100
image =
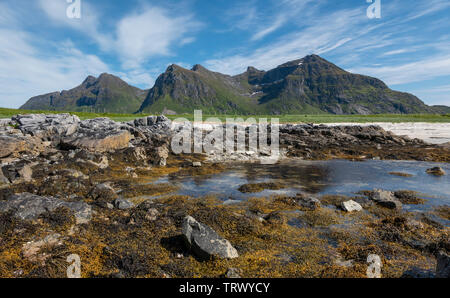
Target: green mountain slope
x,y
310,85
184,90
107,93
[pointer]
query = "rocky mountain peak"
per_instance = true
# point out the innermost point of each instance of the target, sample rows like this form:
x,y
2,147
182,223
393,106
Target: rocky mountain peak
x,y
199,68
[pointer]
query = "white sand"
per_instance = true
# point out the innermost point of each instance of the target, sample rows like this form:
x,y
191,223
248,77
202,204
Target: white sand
x,y
434,133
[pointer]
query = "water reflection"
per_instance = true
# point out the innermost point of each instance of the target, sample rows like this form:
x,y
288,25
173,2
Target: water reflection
x,y
320,177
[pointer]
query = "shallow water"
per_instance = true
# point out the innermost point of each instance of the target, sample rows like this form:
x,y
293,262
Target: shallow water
x,y
321,177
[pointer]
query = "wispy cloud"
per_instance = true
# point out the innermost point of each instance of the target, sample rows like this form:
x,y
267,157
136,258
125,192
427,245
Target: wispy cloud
x,y
323,35
150,33
421,70
28,71
271,28
147,32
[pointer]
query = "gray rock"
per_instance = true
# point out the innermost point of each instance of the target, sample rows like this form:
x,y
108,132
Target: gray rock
x,y
443,265
205,242
385,199
47,127
27,206
123,204
196,164
351,206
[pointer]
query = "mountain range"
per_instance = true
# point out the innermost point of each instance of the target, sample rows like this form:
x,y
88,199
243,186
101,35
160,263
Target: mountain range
x,y
310,85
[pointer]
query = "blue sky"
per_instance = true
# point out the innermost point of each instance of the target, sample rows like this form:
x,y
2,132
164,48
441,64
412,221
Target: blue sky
x,y
42,50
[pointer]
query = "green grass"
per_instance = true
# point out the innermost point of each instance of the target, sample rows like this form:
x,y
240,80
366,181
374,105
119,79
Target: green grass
x,y
324,118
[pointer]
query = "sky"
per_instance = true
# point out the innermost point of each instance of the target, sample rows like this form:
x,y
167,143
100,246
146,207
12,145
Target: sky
x,y
44,47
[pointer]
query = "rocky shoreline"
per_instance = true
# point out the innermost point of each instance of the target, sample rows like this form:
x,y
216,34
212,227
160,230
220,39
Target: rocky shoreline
x,y
75,187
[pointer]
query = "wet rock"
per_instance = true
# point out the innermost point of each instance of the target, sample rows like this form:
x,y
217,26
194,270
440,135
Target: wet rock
x,y
416,272
123,204
308,202
409,197
205,242
385,199
233,273
443,265
27,206
437,171
350,206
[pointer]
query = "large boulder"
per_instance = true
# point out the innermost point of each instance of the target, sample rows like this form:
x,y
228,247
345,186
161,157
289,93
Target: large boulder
x,y
99,135
385,199
47,127
13,145
205,242
27,206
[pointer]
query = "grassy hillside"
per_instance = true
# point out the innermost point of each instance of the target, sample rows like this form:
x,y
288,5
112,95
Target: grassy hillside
x,y
323,118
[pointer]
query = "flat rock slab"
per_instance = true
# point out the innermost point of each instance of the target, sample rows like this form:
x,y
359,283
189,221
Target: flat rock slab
x,y
205,242
14,144
351,206
27,206
99,142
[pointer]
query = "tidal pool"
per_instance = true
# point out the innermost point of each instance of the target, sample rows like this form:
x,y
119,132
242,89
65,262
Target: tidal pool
x,y
339,177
